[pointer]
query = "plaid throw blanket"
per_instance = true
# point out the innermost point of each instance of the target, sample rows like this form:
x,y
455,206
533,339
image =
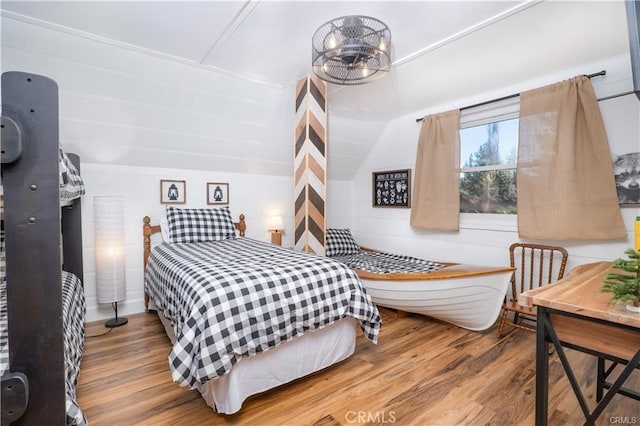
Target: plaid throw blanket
x,y
238,297
387,263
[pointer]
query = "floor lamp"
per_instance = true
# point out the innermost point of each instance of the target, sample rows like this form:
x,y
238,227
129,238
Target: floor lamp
x,y
110,267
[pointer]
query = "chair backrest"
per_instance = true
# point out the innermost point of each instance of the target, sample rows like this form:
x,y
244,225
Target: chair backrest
x,y
536,265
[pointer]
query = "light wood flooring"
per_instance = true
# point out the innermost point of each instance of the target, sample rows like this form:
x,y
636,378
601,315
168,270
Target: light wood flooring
x,y
422,372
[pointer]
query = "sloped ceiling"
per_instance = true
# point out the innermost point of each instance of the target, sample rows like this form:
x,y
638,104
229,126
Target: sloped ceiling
x,y
443,51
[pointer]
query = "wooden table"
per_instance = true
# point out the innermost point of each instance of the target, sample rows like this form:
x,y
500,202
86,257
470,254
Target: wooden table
x,y
574,313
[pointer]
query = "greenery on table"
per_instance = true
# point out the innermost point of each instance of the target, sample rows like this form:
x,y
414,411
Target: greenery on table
x,y
624,284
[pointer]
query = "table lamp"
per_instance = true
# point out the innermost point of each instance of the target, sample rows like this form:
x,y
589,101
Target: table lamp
x,y
276,227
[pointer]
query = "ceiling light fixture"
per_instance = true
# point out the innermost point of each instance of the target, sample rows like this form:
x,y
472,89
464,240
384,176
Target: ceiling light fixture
x,y
352,50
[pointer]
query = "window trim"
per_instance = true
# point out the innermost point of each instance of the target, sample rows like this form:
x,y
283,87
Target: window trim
x,y
506,109
489,168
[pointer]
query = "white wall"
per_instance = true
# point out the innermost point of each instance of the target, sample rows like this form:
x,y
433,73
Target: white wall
x,y
483,239
124,105
339,203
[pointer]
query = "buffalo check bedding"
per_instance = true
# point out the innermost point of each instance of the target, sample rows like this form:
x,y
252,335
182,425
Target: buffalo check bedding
x,y
387,263
238,297
73,316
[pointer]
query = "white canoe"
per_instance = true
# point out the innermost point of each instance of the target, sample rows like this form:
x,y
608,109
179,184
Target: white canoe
x,y
465,295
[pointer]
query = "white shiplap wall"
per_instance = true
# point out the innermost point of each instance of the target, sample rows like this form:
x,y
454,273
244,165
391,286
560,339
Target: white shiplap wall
x,y
122,106
483,239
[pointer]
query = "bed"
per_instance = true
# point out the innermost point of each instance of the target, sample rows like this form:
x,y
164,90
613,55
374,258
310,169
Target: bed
x,y
469,296
245,316
41,307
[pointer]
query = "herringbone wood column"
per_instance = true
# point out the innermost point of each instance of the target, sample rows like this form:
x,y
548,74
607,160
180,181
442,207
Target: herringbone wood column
x,y
309,165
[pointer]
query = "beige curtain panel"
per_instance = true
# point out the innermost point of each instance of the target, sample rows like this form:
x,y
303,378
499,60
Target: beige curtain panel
x,y
566,188
436,187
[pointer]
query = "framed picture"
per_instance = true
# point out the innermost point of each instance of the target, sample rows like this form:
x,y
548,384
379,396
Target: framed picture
x,y
391,188
627,177
173,191
217,193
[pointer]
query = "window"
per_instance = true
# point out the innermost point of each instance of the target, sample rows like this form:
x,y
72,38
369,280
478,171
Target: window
x,y
488,159
488,156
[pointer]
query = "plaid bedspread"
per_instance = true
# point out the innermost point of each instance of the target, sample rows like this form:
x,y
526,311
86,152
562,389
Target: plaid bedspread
x,y
73,315
387,263
238,297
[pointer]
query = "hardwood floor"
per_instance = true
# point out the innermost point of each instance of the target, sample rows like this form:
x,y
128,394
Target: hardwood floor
x,y
422,372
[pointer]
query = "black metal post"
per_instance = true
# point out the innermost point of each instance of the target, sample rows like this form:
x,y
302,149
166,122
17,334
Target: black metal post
x,y
542,369
600,377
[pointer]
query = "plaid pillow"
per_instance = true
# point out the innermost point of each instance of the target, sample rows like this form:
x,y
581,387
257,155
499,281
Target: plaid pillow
x,y
199,225
340,242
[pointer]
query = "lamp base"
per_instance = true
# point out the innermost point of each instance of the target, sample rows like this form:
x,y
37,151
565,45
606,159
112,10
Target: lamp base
x,y
116,322
276,238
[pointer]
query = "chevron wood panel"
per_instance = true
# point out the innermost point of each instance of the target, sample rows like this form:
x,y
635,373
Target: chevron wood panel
x,y
310,165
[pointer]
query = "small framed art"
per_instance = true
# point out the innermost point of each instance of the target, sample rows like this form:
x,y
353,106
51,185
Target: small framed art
x,y
217,193
173,191
392,188
627,175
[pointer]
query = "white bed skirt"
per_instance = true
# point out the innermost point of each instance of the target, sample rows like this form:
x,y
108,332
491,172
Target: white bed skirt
x,y
289,361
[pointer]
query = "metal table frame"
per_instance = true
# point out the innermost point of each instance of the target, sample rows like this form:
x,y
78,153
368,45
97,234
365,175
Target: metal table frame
x,y
546,333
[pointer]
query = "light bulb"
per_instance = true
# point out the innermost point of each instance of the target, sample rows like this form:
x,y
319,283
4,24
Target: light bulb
x,y
332,42
365,70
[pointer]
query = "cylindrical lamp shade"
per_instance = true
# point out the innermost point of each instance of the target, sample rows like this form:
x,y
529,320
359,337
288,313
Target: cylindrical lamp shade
x,y
108,213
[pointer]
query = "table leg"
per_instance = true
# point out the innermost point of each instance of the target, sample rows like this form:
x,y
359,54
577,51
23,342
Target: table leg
x,y
615,387
600,377
542,369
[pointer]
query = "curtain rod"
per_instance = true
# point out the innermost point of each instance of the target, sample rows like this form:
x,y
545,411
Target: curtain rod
x,y
515,95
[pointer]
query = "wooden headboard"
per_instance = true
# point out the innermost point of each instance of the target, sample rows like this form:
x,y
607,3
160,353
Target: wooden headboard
x,y
148,230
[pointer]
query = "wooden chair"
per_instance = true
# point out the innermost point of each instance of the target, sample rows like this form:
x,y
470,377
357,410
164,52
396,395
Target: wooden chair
x,y
536,265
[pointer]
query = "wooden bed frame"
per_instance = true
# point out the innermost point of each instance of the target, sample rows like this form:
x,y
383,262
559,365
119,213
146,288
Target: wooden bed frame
x,y
256,374
33,222
148,230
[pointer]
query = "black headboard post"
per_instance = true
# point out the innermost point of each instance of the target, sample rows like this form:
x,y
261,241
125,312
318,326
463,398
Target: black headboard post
x,y
72,232
32,238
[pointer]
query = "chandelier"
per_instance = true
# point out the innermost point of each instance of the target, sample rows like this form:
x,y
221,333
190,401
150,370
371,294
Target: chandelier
x,y
352,50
